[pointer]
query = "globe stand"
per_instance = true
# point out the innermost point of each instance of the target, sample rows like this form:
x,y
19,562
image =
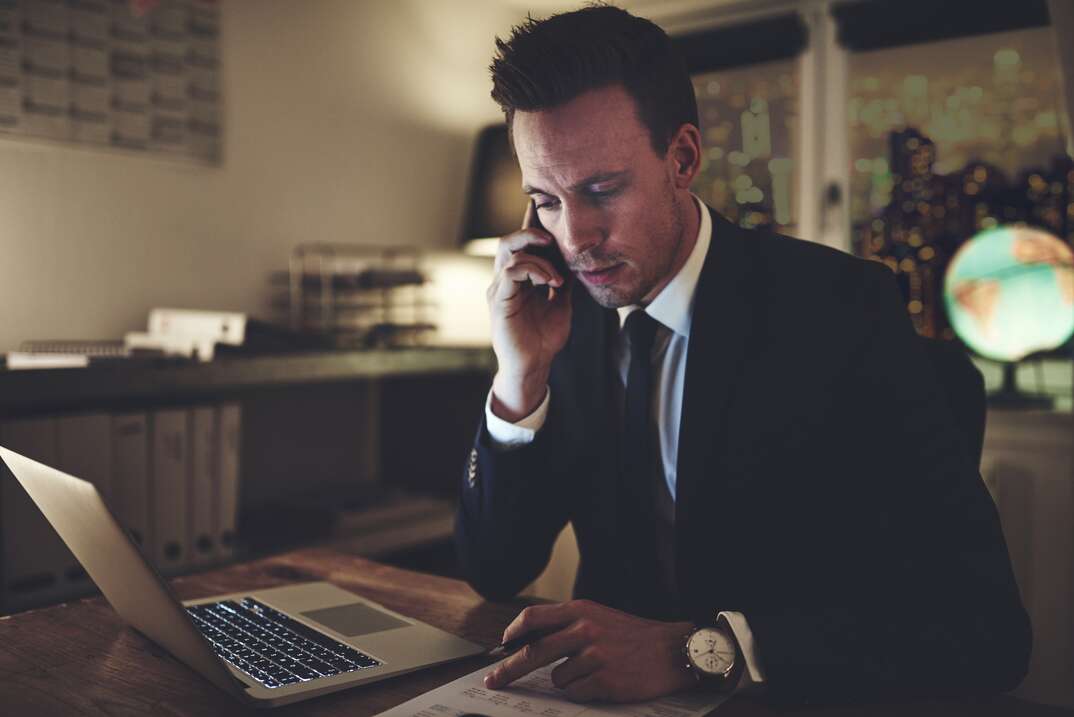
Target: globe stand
x,y
1010,397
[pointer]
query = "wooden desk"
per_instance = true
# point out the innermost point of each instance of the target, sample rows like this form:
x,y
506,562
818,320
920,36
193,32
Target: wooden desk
x,y
80,658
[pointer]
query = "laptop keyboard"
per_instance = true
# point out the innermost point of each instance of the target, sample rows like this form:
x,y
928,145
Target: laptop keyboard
x,y
271,647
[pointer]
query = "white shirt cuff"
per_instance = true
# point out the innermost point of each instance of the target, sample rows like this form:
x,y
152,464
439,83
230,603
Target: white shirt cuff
x,y
508,435
753,674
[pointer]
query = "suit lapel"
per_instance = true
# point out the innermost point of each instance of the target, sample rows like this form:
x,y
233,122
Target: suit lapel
x,y
719,333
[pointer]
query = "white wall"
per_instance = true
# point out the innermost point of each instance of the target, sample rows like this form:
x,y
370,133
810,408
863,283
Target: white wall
x,y
344,121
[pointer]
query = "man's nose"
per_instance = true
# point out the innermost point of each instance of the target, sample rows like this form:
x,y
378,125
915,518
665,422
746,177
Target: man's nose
x,y
581,230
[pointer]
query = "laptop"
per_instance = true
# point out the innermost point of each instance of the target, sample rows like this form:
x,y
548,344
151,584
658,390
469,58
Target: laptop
x,y
265,647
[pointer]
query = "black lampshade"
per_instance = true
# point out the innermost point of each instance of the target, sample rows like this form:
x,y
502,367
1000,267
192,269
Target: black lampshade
x,y
496,203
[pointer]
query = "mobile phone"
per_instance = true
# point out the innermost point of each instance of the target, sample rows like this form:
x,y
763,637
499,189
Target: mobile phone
x,y
549,252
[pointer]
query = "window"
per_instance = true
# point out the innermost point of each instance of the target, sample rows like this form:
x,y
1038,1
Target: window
x,y
749,119
947,139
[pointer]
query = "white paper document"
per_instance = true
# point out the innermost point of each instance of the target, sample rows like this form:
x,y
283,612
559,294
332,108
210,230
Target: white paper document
x,y
536,696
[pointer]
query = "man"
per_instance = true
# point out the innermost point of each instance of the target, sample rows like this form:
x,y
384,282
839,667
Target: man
x,y
742,428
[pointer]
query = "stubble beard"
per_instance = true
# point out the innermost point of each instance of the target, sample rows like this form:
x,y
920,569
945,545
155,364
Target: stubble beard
x,y
613,297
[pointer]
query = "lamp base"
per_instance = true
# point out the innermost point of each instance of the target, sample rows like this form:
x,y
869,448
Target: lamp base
x,y
1016,400
1011,398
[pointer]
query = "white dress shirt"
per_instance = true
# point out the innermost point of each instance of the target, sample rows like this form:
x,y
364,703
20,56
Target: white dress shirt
x,y
673,310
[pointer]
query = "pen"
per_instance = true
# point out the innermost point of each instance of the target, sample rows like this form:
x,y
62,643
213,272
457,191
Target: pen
x,y
512,646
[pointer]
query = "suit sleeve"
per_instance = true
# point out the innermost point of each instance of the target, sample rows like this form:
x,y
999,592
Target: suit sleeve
x,y
940,612
512,506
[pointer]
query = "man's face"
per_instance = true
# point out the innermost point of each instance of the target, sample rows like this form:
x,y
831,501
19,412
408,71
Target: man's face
x,y
607,197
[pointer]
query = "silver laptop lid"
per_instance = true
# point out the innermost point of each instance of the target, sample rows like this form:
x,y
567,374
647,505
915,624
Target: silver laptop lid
x,y
77,512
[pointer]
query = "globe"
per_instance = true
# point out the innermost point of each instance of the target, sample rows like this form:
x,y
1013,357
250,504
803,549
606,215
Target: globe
x,y
1009,292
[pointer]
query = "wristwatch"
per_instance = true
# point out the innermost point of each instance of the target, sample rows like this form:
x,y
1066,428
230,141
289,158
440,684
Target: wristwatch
x,y
713,655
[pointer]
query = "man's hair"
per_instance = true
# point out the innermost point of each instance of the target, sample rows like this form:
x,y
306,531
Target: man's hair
x,y
546,63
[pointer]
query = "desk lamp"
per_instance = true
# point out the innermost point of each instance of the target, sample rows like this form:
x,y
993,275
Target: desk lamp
x,y
496,203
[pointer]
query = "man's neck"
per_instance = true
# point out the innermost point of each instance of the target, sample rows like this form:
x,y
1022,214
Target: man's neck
x,y
691,223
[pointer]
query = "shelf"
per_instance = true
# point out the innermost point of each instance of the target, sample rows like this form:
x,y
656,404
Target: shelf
x,y
378,531
113,385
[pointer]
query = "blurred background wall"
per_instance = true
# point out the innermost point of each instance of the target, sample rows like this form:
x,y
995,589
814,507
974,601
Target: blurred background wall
x,y
343,121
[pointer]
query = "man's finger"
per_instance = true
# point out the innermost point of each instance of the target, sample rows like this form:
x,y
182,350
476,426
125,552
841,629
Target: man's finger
x,y
519,275
535,655
571,670
529,218
562,293
539,264
587,689
518,241
541,617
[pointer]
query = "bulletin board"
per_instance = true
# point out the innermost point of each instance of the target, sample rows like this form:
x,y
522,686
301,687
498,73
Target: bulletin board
x,y
143,75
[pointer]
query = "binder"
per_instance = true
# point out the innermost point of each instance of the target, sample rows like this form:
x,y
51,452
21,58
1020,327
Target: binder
x,y
85,449
130,477
228,472
170,485
202,498
35,558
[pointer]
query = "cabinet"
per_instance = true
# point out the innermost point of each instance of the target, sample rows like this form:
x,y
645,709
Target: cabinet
x,y
326,449
1028,466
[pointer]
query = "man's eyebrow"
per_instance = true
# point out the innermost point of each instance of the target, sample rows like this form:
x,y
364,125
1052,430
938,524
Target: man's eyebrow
x,y
527,189
591,179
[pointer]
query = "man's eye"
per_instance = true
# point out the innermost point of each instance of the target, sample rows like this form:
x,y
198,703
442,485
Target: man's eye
x,y
547,205
604,193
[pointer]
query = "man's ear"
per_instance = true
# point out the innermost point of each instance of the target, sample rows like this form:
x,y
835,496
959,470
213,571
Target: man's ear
x,y
684,153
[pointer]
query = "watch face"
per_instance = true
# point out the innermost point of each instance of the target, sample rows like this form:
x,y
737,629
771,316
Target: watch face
x,y
711,651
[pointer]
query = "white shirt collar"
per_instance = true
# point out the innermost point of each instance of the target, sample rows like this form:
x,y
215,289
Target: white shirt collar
x,y
674,305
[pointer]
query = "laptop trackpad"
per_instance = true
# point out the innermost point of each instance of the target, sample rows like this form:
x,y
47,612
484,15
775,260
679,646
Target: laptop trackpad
x,y
354,619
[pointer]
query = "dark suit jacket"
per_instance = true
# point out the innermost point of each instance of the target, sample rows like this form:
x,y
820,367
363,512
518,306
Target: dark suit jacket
x,y
823,489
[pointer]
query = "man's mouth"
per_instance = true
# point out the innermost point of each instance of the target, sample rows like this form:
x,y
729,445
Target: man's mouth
x,y
602,275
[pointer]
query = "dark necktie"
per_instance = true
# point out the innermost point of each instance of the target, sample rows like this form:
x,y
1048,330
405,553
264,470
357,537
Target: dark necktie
x,y
638,454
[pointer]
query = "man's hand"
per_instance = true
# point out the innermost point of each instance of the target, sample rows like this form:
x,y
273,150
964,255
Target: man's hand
x,y
530,310
612,655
